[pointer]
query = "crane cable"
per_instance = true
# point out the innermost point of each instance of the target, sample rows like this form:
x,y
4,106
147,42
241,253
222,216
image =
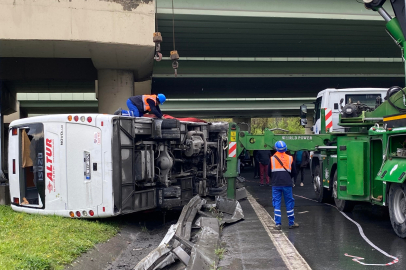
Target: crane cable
x,y
156,16
173,27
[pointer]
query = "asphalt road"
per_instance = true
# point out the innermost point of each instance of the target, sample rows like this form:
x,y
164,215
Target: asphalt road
x,y
325,235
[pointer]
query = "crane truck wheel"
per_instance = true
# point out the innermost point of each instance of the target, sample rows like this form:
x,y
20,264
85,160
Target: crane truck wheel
x,y
342,205
322,194
397,208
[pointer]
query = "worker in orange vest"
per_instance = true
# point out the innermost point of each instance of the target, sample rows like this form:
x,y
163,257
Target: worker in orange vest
x,y
281,171
138,105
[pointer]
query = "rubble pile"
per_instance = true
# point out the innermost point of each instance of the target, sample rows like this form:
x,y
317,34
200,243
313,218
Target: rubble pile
x,y
191,243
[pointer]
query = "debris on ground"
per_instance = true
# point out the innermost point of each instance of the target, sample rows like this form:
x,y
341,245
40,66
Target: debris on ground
x,y
192,242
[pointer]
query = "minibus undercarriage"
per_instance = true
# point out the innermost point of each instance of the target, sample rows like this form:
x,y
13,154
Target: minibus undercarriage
x,y
164,163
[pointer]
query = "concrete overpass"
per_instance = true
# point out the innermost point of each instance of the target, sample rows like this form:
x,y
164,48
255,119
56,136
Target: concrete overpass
x,y
237,57
75,43
274,49
34,103
228,50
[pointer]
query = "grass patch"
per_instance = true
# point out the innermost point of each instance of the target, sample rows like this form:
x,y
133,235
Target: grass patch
x,y
47,242
220,252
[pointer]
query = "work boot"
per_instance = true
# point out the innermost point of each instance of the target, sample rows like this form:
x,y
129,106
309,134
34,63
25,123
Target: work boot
x,y
294,226
278,227
118,111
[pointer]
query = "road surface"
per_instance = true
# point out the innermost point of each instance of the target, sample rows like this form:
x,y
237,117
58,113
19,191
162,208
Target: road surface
x,y
325,235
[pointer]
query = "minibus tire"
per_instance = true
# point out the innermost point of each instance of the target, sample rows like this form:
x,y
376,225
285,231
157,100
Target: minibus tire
x,y
169,123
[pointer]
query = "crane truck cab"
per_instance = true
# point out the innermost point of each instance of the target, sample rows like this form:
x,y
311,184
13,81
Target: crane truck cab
x,y
334,99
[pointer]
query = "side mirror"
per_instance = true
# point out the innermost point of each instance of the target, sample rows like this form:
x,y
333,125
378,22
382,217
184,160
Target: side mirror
x,y
303,115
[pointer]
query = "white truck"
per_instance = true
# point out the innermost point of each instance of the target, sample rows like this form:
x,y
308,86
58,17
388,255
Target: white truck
x,y
331,98
334,99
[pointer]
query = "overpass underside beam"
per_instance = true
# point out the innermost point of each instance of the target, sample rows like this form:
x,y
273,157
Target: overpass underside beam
x,y
29,107
311,69
237,108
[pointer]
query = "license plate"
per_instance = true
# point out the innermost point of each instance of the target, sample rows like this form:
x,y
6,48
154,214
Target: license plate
x,y
86,158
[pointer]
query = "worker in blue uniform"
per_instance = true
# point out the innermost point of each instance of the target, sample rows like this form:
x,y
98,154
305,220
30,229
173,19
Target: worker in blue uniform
x,y
138,105
281,171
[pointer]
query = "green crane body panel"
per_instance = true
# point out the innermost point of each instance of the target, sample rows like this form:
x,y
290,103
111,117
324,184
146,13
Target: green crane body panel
x,y
356,169
394,170
352,168
294,142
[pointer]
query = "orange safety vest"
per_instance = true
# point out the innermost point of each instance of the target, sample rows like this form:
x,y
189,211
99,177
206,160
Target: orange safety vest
x,y
144,101
286,161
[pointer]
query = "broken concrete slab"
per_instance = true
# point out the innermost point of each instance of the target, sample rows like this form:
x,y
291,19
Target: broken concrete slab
x,y
240,193
187,216
203,255
226,205
159,254
236,216
230,211
170,259
182,255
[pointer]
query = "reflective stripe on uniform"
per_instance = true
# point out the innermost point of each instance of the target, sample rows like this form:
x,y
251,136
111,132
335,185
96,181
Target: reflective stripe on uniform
x,y
145,103
277,167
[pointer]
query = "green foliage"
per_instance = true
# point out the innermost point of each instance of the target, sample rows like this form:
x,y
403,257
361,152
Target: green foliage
x,y
292,124
228,120
217,213
258,125
214,266
220,252
47,242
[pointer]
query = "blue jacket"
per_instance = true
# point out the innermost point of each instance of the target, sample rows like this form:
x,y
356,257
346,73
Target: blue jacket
x,y
137,101
282,178
263,156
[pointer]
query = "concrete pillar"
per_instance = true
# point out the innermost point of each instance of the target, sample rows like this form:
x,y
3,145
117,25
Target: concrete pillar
x,y
14,116
143,88
114,88
243,127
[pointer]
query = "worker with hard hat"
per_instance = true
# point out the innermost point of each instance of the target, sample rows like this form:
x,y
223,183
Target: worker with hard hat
x,y
138,105
281,171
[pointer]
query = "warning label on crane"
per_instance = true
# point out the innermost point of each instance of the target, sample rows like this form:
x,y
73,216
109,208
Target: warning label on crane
x,y
233,136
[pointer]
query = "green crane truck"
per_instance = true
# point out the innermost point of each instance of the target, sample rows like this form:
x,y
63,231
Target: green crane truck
x,y
364,163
